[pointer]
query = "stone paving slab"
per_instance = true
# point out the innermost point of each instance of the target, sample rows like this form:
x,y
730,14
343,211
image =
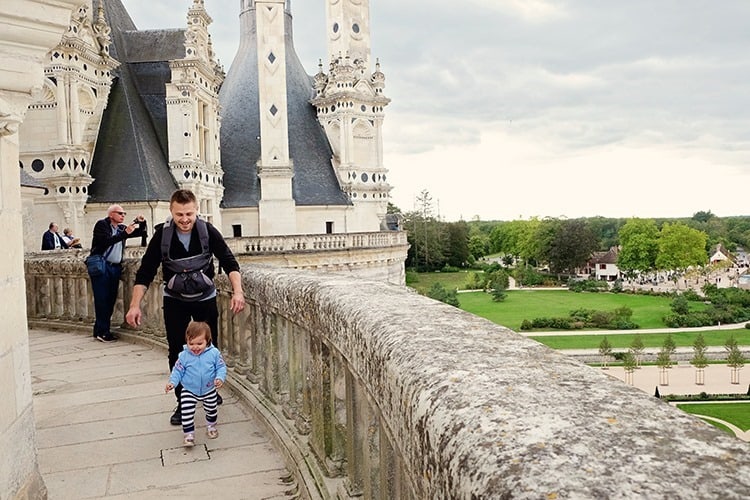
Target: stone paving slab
x,y
103,429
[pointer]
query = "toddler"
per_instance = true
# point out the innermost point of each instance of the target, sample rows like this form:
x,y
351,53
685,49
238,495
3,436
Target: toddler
x,y
201,370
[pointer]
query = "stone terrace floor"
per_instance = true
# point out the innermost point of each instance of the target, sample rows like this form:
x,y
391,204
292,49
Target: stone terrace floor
x,y
102,421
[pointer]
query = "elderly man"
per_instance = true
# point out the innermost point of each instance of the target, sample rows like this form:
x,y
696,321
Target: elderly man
x,y
184,247
51,240
105,264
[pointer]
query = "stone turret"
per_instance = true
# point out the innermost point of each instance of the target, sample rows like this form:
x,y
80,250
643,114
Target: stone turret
x,y
193,122
350,103
60,132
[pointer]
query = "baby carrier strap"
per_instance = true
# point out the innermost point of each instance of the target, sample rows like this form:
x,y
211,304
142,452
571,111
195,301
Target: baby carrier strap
x,y
166,237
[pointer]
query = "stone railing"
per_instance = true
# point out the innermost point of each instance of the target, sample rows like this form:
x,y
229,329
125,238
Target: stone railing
x,y
316,242
378,392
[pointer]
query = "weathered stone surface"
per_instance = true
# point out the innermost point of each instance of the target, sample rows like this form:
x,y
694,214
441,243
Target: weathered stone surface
x,y
411,398
478,411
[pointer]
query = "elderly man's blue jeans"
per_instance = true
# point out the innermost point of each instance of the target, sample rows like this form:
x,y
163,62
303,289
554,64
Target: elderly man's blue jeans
x,y
105,289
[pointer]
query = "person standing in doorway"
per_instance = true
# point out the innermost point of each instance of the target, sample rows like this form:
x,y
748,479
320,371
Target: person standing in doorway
x,y
184,247
51,240
108,242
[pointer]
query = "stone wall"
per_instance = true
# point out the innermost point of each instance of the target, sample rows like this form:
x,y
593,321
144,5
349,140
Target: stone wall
x,y
28,29
375,391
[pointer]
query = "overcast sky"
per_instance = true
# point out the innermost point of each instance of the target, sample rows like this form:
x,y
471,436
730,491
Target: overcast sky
x,y
507,109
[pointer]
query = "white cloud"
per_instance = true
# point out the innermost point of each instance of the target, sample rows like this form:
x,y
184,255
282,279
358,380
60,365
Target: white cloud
x,y
537,107
528,10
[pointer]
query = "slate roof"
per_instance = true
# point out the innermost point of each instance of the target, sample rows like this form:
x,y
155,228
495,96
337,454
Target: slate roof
x,y
131,159
314,181
130,162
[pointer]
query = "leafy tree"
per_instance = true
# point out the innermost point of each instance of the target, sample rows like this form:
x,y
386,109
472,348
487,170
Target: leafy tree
x,y
572,243
629,364
735,359
478,245
680,305
605,351
438,292
637,348
639,242
605,230
699,359
703,216
669,344
499,282
456,244
680,247
424,236
664,362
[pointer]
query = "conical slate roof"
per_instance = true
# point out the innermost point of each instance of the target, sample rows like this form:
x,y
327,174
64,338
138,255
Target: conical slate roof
x,y
130,162
314,181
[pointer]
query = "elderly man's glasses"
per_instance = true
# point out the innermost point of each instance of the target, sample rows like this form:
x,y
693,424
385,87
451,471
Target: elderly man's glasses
x,y
121,213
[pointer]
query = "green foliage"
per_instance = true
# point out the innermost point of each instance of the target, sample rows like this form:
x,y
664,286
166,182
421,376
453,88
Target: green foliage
x,y
476,281
639,246
499,281
438,292
680,305
680,247
699,359
735,359
571,244
587,285
527,276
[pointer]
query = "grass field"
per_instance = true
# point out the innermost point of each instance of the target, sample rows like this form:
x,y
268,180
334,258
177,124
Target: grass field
x,y
529,304
422,282
735,413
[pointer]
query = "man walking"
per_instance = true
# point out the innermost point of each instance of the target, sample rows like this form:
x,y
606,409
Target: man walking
x,y
185,246
107,247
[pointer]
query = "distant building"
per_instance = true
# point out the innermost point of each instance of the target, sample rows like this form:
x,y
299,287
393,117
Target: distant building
x,y
603,265
721,254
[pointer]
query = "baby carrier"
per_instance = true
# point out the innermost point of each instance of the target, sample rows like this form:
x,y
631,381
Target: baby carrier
x,y
189,281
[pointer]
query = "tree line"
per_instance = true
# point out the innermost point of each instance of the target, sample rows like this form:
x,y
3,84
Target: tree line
x,y
564,245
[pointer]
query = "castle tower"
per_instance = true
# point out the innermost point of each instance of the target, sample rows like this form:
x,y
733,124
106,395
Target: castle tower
x,y
60,132
193,123
350,103
276,208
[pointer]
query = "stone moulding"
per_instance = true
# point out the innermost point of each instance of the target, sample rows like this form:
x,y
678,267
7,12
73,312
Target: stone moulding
x,y
374,391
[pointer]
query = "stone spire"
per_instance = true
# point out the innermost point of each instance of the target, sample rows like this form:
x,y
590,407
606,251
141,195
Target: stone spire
x,y
350,104
78,78
275,169
193,120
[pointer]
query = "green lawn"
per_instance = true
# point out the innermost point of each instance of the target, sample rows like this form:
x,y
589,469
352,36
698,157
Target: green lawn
x,y
529,304
422,282
735,413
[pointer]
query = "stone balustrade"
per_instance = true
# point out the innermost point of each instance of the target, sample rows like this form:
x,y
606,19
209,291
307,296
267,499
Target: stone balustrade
x,y
374,391
314,242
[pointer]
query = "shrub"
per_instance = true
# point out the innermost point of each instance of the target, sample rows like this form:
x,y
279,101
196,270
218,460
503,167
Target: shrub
x,y
438,292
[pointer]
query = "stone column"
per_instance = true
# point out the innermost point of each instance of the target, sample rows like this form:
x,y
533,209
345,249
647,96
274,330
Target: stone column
x,y
28,29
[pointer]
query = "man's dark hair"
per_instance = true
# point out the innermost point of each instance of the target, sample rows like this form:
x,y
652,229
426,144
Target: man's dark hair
x,y
51,224
183,196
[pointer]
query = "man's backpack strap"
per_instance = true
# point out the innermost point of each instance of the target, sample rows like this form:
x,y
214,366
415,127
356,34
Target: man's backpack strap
x,y
166,237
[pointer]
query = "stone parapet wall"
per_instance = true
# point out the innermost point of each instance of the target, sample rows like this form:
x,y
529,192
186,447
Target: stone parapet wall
x,y
375,391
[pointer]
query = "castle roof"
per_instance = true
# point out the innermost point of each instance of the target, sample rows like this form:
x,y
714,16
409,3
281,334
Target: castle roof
x,y
130,162
314,181
131,159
